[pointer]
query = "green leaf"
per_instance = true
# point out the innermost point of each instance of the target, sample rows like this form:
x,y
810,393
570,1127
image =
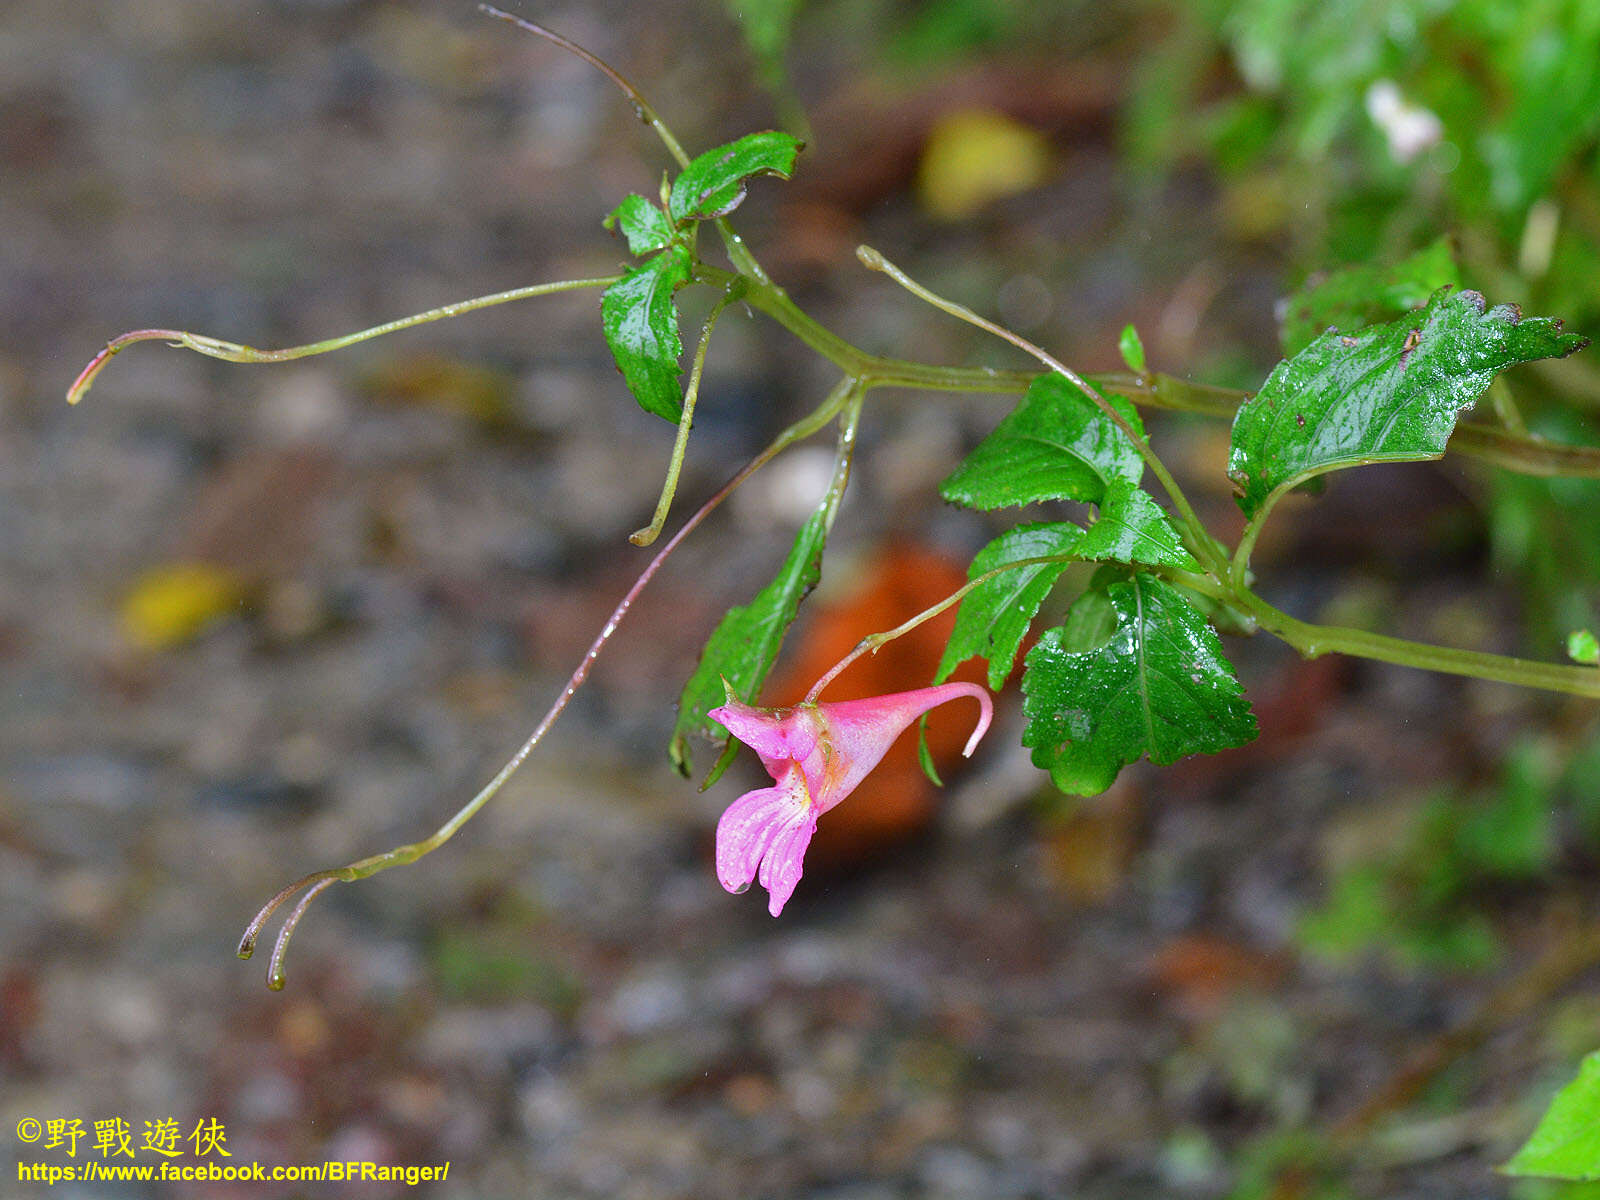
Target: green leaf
x,y
994,617
641,327
745,643
1566,1145
1055,445
1389,393
1583,647
1364,294
643,224
1132,350
1092,620
713,184
1133,529
1157,685
924,755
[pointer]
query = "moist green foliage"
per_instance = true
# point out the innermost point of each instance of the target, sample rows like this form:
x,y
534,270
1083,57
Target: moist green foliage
x,y
745,643
1364,294
1388,393
995,616
637,312
1055,445
1566,1145
641,327
713,185
1155,683
642,223
1132,528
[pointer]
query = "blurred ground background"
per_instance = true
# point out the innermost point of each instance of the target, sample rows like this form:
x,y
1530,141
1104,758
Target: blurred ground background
x,y
260,620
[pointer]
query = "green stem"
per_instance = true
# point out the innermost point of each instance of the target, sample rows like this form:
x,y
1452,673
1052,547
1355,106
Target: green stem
x,y
873,370
1239,567
846,396
740,254
844,455
669,487
775,302
235,352
1313,641
1528,455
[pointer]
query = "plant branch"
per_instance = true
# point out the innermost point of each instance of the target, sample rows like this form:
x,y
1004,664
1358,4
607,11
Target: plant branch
x,y
1201,543
319,881
1313,641
1530,455
235,352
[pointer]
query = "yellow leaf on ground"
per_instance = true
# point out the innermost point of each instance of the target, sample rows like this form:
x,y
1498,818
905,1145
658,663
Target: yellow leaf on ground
x,y
975,156
170,604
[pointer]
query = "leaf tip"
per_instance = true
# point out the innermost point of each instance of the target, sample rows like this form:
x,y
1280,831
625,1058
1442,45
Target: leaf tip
x,y
1132,349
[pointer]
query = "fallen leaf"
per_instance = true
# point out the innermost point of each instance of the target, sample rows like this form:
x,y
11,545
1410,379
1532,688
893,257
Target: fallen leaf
x,y
171,604
976,156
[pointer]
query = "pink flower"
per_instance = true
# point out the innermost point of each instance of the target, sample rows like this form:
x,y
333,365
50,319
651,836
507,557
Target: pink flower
x,y
816,755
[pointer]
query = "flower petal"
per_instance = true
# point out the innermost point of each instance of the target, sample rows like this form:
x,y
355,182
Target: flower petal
x,y
746,830
860,732
785,860
758,728
778,736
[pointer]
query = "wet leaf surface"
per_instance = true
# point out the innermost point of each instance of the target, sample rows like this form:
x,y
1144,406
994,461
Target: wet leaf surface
x,y
1056,445
641,327
713,184
1389,393
1158,685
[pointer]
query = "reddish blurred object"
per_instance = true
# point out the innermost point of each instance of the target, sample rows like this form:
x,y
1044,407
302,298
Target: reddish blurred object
x,y
19,1009
897,800
1200,971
